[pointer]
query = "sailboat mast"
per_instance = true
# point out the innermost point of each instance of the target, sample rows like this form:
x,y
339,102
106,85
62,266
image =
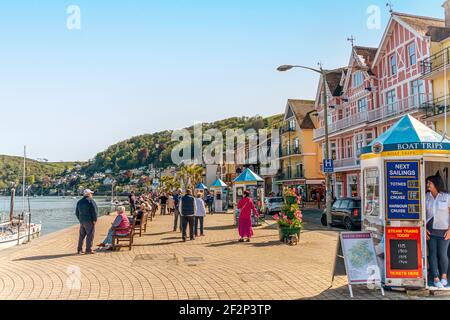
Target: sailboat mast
x,y
24,177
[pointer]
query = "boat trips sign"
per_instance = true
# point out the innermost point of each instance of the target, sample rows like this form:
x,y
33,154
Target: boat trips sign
x,y
403,190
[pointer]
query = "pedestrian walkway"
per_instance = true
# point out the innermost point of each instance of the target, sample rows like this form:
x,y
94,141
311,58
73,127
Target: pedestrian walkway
x,y
162,267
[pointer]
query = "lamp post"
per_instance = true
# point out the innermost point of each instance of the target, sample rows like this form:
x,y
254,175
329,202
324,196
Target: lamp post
x,y
323,73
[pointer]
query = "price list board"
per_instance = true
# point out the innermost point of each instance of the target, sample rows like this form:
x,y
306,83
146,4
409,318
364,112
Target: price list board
x,y
404,253
403,190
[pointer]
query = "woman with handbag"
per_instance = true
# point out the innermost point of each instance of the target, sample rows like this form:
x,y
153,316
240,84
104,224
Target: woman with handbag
x,y
246,207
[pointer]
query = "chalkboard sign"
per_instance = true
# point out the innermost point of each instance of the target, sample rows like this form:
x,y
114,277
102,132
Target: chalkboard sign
x,y
403,199
404,256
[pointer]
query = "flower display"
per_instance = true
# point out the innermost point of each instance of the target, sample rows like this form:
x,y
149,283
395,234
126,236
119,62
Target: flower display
x,y
291,216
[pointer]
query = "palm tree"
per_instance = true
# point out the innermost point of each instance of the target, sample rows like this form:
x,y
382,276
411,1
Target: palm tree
x,y
191,175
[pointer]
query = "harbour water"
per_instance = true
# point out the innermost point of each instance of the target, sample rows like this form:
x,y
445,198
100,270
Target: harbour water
x,y
54,213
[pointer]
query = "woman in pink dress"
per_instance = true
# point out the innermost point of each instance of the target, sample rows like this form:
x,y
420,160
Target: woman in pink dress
x,y
246,207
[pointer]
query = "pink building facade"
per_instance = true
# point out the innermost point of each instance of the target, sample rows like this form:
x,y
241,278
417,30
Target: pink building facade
x,y
377,88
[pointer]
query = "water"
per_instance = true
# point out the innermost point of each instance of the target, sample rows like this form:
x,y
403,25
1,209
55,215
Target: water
x,y
54,213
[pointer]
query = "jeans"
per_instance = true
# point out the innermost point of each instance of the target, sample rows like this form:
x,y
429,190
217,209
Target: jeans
x,y
163,209
210,207
87,230
185,220
438,256
176,216
199,220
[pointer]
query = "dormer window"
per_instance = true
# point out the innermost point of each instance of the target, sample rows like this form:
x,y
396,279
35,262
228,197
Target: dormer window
x,y
358,79
393,64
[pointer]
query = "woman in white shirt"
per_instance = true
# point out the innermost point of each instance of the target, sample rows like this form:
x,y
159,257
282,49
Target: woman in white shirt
x,y
438,230
200,214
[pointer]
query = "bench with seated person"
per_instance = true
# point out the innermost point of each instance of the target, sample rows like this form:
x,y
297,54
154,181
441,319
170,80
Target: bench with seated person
x,y
120,228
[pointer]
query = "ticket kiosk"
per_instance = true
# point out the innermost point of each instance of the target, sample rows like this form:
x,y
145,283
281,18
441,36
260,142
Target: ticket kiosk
x,y
249,181
201,189
220,192
394,170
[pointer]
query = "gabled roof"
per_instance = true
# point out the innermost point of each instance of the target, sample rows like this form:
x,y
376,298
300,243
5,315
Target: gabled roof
x,y
437,34
366,56
301,109
418,25
248,176
334,82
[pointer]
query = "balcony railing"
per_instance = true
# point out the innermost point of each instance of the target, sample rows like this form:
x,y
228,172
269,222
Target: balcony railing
x,y
286,129
291,176
290,152
436,62
385,112
436,107
350,162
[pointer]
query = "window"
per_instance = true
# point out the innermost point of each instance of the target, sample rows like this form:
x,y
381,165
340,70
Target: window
x,y
412,54
393,64
417,92
362,105
299,168
372,192
391,97
369,138
296,145
349,148
337,204
289,172
292,124
359,143
358,79
333,151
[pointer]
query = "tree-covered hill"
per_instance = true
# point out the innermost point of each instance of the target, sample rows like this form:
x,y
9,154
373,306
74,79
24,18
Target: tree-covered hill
x,y
11,171
142,150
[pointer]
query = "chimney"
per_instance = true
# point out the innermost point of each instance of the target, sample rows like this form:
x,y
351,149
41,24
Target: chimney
x,y
446,6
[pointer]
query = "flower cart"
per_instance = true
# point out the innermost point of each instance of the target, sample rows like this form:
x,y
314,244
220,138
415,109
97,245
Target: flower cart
x,y
290,221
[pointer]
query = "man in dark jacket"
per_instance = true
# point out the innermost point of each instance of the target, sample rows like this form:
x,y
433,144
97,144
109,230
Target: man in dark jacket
x,y
87,214
187,208
176,214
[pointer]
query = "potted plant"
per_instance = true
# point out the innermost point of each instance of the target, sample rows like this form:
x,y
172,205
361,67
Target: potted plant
x,y
290,221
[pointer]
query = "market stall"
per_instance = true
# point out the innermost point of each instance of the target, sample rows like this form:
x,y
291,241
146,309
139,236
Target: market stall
x,y
220,193
394,170
249,181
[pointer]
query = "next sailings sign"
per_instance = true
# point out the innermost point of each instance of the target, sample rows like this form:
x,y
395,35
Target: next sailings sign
x,y
403,201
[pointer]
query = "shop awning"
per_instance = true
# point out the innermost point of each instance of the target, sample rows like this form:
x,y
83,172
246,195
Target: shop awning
x,y
408,136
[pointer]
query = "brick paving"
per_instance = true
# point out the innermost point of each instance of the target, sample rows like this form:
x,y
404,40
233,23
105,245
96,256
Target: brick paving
x,y
162,267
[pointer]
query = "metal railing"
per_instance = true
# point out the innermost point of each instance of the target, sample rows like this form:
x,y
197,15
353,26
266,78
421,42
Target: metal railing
x,y
349,162
290,176
286,129
386,112
290,152
436,107
435,62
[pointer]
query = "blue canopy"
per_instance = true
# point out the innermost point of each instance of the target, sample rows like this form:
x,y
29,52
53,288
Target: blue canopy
x,y
406,135
201,186
248,176
219,184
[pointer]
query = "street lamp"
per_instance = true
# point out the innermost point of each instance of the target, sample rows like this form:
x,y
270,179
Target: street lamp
x,y
321,71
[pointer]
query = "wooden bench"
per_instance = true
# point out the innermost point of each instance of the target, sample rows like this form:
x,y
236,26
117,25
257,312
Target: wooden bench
x,y
117,239
140,225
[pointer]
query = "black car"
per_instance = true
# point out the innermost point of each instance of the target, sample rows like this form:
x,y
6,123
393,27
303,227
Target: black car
x,y
345,212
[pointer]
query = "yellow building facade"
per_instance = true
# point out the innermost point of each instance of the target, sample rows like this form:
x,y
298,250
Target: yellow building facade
x,y
300,157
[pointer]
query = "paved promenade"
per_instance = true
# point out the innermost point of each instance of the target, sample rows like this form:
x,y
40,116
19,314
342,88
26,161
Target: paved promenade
x,y
162,267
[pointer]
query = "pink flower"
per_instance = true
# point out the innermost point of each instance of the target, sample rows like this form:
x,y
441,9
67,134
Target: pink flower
x,y
276,217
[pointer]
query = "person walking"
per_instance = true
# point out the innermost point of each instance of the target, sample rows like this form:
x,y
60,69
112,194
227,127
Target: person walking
x,y
132,201
170,203
246,207
87,214
188,209
210,201
438,230
176,214
163,201
200,214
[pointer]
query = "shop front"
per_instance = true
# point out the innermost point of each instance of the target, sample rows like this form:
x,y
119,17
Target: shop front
x,y
394,170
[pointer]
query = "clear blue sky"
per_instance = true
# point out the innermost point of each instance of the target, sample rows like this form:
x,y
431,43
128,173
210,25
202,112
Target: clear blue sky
x,y
143,66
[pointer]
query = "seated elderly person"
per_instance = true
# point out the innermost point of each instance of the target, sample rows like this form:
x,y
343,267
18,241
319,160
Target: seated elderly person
x,y
120,227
